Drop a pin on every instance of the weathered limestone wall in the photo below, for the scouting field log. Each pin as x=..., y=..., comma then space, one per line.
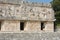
x=33, y=26
x=29, y=26
x=10, y=26
x=14, y=26
x=49, y=26
x=32, y=13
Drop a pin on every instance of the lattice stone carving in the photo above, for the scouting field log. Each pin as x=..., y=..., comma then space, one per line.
x=2, y=11
x=10, y=11
x=26, y=12
x=26, y=9
x=17, y=11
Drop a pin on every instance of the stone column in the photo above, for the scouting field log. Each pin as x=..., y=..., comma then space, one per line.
x=49, y=27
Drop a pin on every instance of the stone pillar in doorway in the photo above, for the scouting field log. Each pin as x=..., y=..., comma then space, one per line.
x=49, y=27
x=33, y=26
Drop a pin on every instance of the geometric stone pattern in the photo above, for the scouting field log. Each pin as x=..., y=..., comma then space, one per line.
x=25, y=11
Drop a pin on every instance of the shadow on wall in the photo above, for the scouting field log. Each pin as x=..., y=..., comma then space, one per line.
x=55, y=26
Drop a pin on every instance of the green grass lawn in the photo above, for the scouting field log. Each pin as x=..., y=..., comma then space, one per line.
x=58, y=25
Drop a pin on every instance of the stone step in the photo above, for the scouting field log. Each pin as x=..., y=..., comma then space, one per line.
x=30, y=36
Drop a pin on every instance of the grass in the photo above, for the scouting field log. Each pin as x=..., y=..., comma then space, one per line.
x=58, y=25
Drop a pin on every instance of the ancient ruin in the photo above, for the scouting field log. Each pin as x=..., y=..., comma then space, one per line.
x=18, y=16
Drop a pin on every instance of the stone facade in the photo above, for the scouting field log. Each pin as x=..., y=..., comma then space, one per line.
x=27, y=17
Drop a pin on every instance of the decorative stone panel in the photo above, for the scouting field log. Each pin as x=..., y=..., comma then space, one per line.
x=23, y=12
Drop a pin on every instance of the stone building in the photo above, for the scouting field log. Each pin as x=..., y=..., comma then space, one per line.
x=18, y=16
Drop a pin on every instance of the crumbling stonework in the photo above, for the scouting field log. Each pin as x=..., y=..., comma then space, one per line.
x=14, y=15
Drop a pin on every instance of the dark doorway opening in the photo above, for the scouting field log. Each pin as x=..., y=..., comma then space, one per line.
x=42, y=25
x=0, y=25
x=55, y=26
x=21, y=25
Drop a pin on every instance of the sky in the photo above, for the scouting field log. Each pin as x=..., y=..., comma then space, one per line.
x=41, y=1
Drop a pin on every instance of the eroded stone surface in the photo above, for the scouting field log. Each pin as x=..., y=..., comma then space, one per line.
x=26, y=12
x=12, y=13
x=29, y=36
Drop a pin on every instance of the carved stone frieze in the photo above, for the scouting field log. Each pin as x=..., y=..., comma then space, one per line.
x=25, y=12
